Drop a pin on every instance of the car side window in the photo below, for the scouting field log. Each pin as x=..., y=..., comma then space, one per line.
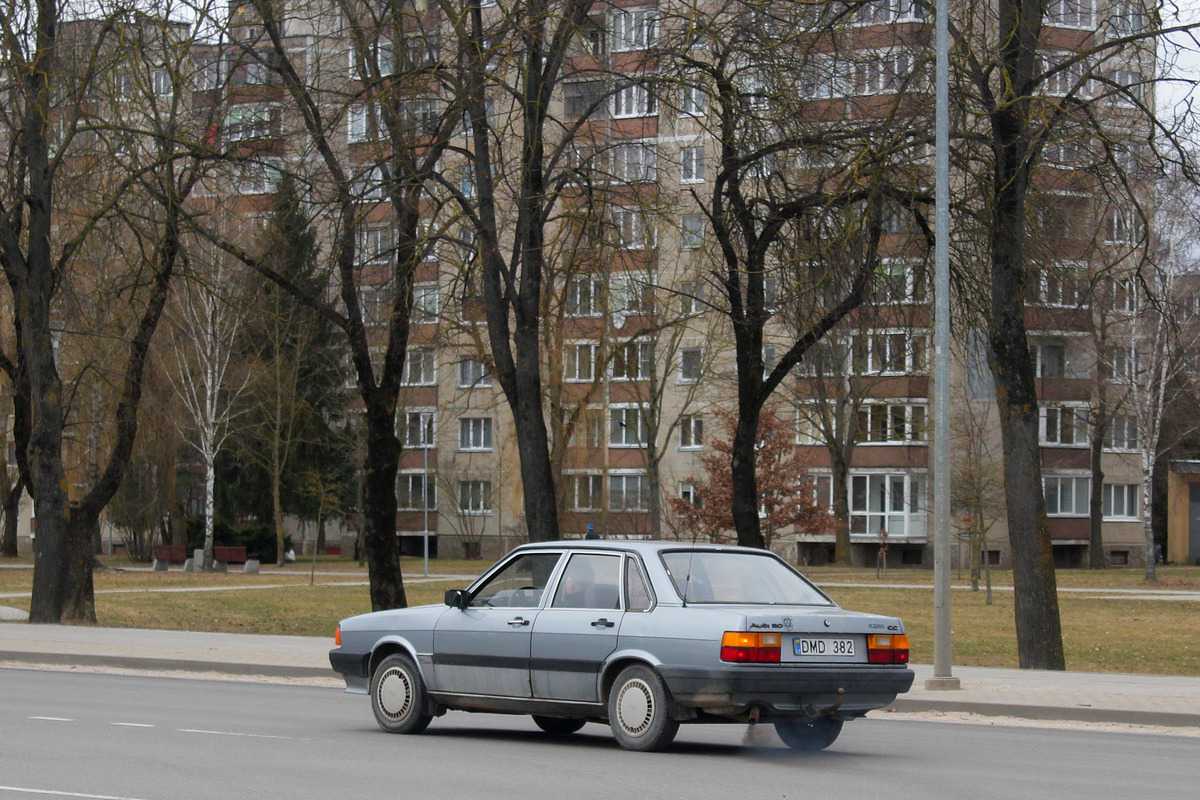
x=637, y=592
x=590, y=581
x=519, y=583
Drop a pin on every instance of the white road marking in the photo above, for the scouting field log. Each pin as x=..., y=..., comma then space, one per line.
x=133, y=725
x=27, y=790
x=234, y=733
x=53, y=719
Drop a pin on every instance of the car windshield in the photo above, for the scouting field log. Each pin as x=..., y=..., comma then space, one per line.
x=722, y=577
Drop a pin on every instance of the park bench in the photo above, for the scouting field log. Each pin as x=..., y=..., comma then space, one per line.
x=169, y=554
x=223, y=555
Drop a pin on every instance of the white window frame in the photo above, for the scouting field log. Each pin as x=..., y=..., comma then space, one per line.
x=619, y=498
x=900, y=510
x=632, y=29
x=632, y=361
x=632, y=227
x=1067, y=495
x=473, y=373
x=587, y=491
x=419, y=428
x=1062, y=285
x=580, y=360
x=635, y=161
x=1077, y=14
x=872, y=351
x=691, y=364
x=691, y=164
x=1121, y=502
x=426, y=490
x=584, y=296
x=634, y=100
x=691, y=432
x=1064, y=425
x=421, y=370
x=627, y=426
x=896, y=423
x=474, y=498
x=1121, y=434
x=691, y=234
x=247, y=121
x=630, y=292
x=475, y=434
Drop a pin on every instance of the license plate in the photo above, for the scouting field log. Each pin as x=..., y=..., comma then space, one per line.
x=815, y=647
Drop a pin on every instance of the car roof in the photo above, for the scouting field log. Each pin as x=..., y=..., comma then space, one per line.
x=642, y=546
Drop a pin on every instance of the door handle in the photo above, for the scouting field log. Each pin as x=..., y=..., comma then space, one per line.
x=603, y=623
x=518, y=622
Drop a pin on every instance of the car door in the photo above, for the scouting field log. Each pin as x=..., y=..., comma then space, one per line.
x=577, y=631
x=484, y=649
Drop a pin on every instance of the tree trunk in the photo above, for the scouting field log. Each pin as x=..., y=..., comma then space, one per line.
x=80, y=605
x=380, y=543
x=12, y=517
x=744, y=501
x=843, y=552
x=1096, y=558
x=210, y=502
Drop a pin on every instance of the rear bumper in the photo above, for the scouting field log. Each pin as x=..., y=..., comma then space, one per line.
x=787, y=689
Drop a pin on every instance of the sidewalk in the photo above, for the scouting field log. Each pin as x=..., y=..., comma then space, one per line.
x=1078, y=696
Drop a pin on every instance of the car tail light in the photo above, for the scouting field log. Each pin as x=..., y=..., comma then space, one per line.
x=337, y=636
x=887, y=648
x=757, y=648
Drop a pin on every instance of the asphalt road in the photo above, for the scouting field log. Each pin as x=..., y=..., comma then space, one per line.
x=122, y=737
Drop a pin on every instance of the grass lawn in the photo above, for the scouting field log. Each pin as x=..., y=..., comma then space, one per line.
x=1102, y=633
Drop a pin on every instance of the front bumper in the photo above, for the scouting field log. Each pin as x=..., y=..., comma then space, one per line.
x=787, y=689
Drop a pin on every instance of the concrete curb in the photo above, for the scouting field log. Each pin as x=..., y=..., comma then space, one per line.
x=166, y=665
x=1122, y=716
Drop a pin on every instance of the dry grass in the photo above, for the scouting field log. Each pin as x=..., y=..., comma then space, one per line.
x=1101, y=633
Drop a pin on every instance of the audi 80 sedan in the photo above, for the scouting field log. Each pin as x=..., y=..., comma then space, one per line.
x=641, y=635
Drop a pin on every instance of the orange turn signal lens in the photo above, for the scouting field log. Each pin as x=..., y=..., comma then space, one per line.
x=337, y=636
x=743, y=647
x=887, y=648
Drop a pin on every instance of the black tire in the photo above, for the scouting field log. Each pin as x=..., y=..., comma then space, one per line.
x=557, y=726
x=639, y=710
x=398, y=696
x=808, y=735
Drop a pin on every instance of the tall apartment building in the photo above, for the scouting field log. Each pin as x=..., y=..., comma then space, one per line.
x=638, y=363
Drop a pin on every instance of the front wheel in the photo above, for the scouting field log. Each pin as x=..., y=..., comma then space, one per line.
x=808, y=735
x=398, y=696
x=557, y=726
x=638, y=710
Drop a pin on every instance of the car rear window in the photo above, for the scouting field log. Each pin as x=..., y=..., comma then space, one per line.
x=746, y=578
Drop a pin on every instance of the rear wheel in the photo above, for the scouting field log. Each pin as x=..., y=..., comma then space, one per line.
x=808, y=735
x=557, y=726
x=398, y=696
x=639, y=712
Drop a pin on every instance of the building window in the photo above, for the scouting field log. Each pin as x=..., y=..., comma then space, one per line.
x=635, y=100
x=1065, y=78
x=892, y=502
x=688, y=492
x=416, y=492
x=587, y=492
x=627, y=426
x=632, y=361
x=367, y=185
x=472, y=373
x=635, y=162
x=1120, y=364
x=376, y=303
x=887, y=12
x=880, y=423
x=380, y=61
x=579, y=361
x=246, y=122
x=475, y=498
x=690, y=361
x=630, y=293
x=691, y=432
x=1071, y=14
x=475, y=433
x=375, y=244
x=692, y=101
x=161, y=84
x=425, y=302
x=1121, y=433
x=1067, y=496
x=1064, y=426
x=1128, y=18
x=1062, y=284
x=884, y=353
x=691, y=164
x=628, y=493
x=419, y=429
x=420, y=367
x=630, y=224
x=358, y=123
x=1049, y=360
x=883, y=72
x=584, y=293
x=633, y=29
x=584, y=98
x=691, y=232
x=256, y=177
x=1121, y=501
x=898, y=281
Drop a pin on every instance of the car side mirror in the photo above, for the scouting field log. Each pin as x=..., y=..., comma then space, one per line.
x=456, y=598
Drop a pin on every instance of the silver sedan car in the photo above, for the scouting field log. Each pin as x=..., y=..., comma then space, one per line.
x=641, y=635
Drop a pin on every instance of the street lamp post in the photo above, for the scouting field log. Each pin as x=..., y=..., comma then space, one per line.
x=942, y=678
